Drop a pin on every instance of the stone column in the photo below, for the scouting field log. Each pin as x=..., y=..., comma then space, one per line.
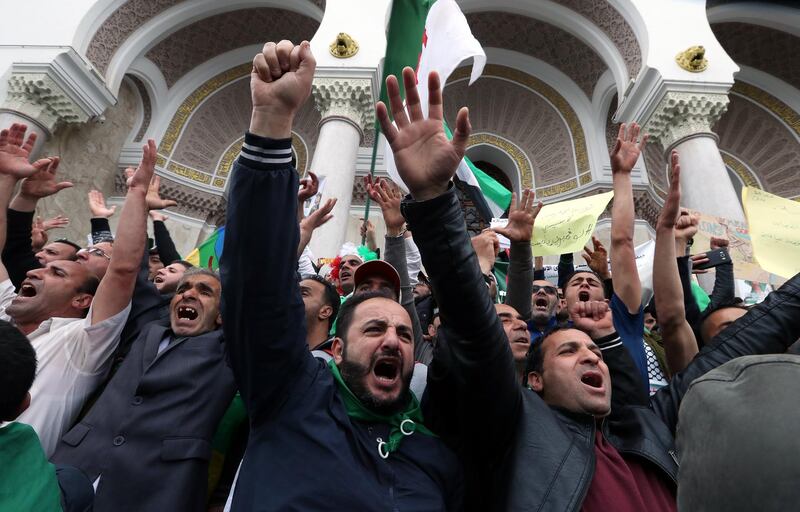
x=683, y=121
x=347, y=108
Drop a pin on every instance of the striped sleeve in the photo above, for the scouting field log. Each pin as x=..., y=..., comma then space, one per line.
x=265, y=154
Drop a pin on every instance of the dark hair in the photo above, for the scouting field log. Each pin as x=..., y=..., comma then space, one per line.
x=345, y=317
x=17, y=369
x=198, y=271
x=89, y=286
x=581, y=271
x=330, y=296
x=71, y=244
x=534, y=362
x=735, y=303
x=185, y=264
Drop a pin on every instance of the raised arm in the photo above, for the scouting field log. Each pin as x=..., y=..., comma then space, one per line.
x=623, y=258
x=680, y=344
x=768, y=328
x=395, y=250
x=116, y=287
x=15, y=151
x=164, y=244
x=263, y=313
x=520, y=269
x=473, y=367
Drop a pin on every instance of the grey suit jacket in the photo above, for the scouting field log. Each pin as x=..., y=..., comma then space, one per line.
x=149, y=435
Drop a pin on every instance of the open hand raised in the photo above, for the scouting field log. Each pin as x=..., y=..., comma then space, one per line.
x=425, y=159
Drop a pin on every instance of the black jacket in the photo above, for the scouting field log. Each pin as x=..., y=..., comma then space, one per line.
x=518, y=452
x=304, y=451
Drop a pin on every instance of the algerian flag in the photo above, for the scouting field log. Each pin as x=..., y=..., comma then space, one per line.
x=446, y=42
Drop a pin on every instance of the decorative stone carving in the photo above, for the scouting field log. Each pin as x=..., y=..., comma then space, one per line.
x=147, y=108
x=610, y=21
x=763, y=48
x=681, y=114
x=37, y=96
x=344, y=46
x=547, y=130
x=195, y=44
x=693, y=59
x=762, y=133
x=541, y=40
x=345, y=98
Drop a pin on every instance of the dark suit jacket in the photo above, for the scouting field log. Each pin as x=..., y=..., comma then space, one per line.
x=149, y=435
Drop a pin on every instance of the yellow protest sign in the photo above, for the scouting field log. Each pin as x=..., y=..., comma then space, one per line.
x=567, y=226
x=774, y=231
x=739, y=246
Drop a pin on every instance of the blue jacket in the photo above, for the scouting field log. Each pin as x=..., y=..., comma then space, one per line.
x=304, y=451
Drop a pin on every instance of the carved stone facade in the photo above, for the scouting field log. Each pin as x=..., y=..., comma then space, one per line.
x=190, y=46
x=204, y=136
x=542, y=41
x=681, y=114
x=124, y=21
x=147, y=108
x=547, y=130
x=614, y=25
x=39, y=97
x=763, y=48
x=89, y=154
x=345, y=98
x=761, y=133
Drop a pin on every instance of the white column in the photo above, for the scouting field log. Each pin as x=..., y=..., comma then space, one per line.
x=683, y=121
x=346, y=107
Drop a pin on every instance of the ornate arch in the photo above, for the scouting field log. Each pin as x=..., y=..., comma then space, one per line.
x=204, y=135
x=559, y=159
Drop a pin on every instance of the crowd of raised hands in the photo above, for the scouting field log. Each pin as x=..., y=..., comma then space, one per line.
x=447, y=374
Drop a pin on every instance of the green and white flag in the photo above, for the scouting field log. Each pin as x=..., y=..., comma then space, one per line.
x=441, y=38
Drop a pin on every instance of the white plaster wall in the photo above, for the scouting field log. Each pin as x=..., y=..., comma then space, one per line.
x=41, y=23
x=673, y=27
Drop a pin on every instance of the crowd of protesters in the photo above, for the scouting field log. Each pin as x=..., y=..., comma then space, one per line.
x=132, y=380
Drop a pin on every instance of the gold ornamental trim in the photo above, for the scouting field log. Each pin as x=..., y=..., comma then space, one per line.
x=693, y=59
x=344, y=46
x=515, y=152
x=560, y=104
x=783, y=111
x=740, y=169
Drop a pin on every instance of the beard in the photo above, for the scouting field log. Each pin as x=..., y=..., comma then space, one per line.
x=355, y=375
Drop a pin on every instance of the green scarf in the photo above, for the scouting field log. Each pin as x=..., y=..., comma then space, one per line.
x=403, y=423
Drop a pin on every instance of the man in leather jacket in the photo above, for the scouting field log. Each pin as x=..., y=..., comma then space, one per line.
x=537, y=449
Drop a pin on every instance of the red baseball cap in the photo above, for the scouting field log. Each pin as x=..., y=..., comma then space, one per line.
x=378, y=268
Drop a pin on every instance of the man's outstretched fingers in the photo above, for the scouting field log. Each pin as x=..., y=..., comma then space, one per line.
x=463, y=129
x=435, y=108
x=388, y=129
x=396, y=102
x=412, y=95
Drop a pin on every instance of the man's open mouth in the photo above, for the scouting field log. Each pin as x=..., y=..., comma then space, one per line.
x=387, y=370
x=584, y=296
x=27, y=290
x=158, y=280
x=187, y=313
x=593, y=379
x=541, y=302
x=344, y=275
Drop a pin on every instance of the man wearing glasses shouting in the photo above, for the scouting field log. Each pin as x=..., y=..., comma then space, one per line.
x=72, y=316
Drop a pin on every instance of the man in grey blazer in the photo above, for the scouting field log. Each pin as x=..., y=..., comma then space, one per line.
x=146, y=443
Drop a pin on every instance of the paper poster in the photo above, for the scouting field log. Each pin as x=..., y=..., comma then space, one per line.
x=774, y=224
x=567, y=226
x=740, y=247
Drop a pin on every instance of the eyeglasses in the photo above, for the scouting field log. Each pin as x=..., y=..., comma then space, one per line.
x=549, y=290
x=95, y=251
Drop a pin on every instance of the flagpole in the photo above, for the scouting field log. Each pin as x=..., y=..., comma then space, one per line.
x=377, y=131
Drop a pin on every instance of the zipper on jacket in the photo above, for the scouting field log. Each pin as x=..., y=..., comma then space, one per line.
x=674, y=455
x=646, y=456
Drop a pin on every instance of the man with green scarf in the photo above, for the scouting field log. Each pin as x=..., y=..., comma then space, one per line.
x=348, y=435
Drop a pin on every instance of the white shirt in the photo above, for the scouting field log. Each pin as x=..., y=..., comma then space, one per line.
x=73, y=357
